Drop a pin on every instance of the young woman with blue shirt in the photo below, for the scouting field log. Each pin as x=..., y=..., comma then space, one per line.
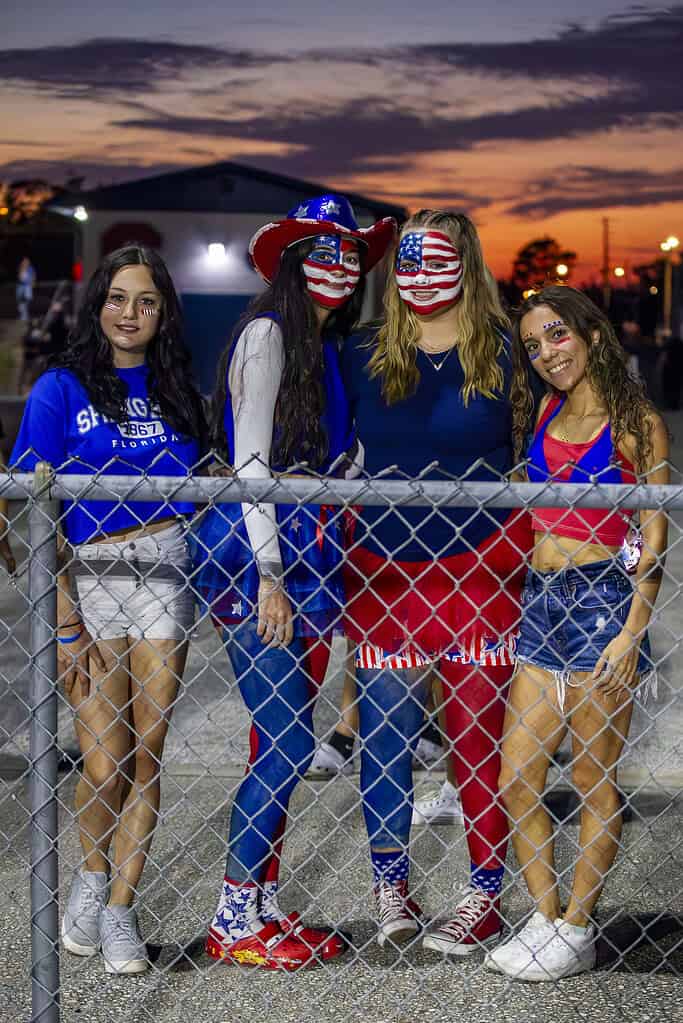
x=120, y=400
x=432, y=590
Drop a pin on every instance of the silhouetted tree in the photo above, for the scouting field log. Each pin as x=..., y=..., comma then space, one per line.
x=536, y=264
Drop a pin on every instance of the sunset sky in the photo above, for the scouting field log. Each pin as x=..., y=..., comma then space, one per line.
x=532, y=117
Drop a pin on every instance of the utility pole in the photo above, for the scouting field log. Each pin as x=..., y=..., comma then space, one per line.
x=606, y=291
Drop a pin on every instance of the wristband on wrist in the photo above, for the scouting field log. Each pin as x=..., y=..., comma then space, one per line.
x=71, y=639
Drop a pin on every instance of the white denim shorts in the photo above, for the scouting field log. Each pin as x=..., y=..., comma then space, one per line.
x=137, y=587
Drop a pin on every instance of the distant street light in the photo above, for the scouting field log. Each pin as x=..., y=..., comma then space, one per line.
x=667, y=248
x=80, y=213
x=654, y=290
x=561, y=269
x=619, y=271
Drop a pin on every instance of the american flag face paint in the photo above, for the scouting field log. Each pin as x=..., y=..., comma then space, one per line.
x=144, y=305
x=332, y=270
x=428, y=271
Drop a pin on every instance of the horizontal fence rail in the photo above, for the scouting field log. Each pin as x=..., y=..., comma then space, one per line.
x=373, y=492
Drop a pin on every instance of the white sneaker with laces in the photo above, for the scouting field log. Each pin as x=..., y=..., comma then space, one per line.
x=123, y=949
x=519, y=950
x=564, y=955
x=327, y=762
x=81, y=920
x=441, y=807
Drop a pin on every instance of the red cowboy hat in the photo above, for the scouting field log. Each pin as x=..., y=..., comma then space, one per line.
x=329, y=214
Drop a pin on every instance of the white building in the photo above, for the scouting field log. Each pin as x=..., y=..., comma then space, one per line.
x=201, y=221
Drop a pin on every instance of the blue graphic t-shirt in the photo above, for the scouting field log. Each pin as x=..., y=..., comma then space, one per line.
x=60, y=423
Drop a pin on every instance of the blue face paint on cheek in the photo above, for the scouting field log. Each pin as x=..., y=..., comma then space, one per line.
x=533, y=356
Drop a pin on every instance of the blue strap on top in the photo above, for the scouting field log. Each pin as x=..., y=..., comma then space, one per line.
x=597, y=462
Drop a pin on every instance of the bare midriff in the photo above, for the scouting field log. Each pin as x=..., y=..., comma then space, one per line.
x=554, y=553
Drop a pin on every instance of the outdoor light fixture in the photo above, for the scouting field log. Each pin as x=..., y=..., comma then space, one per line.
x=216, y=253
x=80, y=213
x=619, y=271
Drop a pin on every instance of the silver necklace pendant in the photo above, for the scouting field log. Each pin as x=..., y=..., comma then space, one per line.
x=437, y=365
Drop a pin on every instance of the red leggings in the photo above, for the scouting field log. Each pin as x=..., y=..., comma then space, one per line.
x=474, y=712
x=316, y=659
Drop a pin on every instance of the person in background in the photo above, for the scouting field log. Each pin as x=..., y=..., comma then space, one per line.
x=270, y=575
x=26, y=279
x=583, y=649
x=120, y=399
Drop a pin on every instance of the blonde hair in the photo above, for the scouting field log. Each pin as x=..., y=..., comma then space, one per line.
x=479, y=311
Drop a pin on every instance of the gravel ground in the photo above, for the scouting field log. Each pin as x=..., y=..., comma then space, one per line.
x=640, y=955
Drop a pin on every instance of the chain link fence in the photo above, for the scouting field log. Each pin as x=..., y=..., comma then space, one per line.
x=191, y=736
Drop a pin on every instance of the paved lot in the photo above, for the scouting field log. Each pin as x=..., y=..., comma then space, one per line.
x=641, y=955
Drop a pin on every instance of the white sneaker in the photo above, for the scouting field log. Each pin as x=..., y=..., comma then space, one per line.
x=563, y=954
x=441, y=807
x=123, y=949
x=519, y=950
x=428, y=753
x=327, y=762
x=81, y=920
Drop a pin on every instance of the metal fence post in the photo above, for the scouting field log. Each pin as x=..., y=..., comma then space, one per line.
x=43, y=751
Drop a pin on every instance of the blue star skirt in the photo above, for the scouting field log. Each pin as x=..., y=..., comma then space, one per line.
x=311, y=538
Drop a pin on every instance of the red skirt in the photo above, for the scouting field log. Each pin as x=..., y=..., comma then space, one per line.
x=455, y=603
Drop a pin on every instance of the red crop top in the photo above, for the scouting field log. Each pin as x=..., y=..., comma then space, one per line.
x=550, y=458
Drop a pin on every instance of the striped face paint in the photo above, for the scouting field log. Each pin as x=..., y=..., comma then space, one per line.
x=428, y=271
x=144, y=305
x=332, y=270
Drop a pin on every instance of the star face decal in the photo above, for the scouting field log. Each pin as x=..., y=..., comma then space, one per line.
x=302, y=211
x=329, y=206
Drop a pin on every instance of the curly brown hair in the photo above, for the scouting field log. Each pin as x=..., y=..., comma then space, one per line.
x=630, y=410
x=480, y=312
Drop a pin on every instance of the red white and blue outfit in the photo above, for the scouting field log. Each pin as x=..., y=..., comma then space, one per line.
x=300, y=545
x=569, y=617
x=434, y=586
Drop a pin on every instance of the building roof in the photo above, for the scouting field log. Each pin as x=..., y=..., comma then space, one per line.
x=224, y=187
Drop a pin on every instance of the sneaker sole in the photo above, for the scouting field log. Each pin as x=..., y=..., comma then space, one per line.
x=328, y=772
x=133, y=966
x=452, y=948
x=443, y=818
x=87, y=951
x=398, y=936
x=545, y=976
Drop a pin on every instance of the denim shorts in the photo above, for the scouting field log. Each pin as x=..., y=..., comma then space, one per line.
x=569, y=617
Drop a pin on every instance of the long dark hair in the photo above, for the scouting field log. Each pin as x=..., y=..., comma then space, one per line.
x=299, y=434
x=89, y=356
x=628, y=406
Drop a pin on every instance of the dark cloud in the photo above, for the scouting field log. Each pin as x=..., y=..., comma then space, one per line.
x=631, y=59
x=100, y=68
x=634, y=46
x=95, y=173
x=589, y=188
